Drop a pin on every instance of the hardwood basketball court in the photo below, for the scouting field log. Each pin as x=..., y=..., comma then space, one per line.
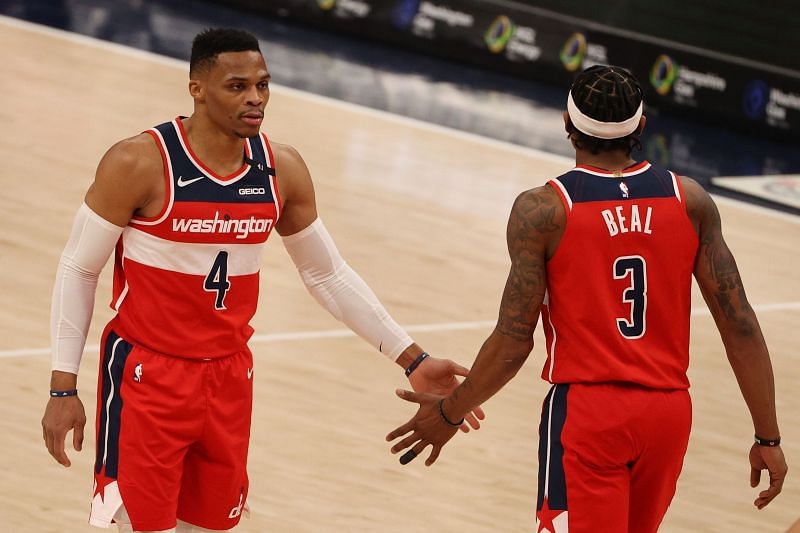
x=419, y=211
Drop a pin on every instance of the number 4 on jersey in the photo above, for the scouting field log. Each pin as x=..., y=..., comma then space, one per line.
x=635, y=295
x=217, y=279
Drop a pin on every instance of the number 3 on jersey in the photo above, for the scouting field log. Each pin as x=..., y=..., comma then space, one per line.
x=635, y=295
x=217, y=280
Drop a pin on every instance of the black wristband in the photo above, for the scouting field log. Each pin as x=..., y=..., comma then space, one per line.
x=413, y=366
x=63, y=393
x=444, y=416
x=768, y=442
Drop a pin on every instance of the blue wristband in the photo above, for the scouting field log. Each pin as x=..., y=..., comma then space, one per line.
x=63, y=393
x=413, y=366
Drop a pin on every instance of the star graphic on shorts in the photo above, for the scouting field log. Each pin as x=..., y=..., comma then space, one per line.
x=546, y=516
x=101, y=481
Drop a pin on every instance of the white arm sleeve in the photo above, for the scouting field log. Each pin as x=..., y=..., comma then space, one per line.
x=342, y=292
x=90, y=244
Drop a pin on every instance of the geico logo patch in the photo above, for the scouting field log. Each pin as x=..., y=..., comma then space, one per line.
x=252, y=190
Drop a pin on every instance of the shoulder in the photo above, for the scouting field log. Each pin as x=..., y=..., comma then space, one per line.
x=134, y=156
x=699, y=205
x=287, y=158
x=539, y=208
x=537, y=219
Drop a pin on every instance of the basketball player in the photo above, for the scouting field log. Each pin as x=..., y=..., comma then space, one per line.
x=606, y=253
x=188, y=206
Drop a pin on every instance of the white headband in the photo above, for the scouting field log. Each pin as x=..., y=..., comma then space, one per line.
x=599, y=129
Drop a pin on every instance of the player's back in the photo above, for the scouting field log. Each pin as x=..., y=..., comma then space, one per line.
x=618, y=297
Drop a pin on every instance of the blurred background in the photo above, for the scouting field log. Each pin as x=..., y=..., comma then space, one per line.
x=721, y=78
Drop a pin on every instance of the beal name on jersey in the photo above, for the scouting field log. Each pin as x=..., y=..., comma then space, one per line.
x=618, y=223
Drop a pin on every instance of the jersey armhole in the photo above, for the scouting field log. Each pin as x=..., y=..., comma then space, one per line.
x=678, y=186
x=165, y=206
x=273, y=179
x=562, y=193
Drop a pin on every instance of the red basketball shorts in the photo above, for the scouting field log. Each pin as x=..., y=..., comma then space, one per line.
x=172, y=437
x=609, y=457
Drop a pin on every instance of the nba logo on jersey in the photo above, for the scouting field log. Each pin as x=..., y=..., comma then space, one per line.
x=137, y=373
x=624, y=189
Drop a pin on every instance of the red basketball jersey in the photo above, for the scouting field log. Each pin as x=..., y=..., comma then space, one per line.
x=618, y=299
x=186, y=281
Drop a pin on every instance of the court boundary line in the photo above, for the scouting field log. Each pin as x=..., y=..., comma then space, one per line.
x=386, y=115
x=291, y=336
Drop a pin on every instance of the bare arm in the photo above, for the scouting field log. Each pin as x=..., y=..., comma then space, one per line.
x=535, y=223
x=719, y=280
x=340, y=290
x=534, y=227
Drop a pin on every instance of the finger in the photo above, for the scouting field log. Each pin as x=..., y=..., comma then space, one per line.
x=408, y=457
x=479, y=414
x=459, y=370
x=401, y=430
x=409, y=396
x=765, y=498
x=472, y=420
x=433, y=456
x=755, y=476
x=77, y=437
x=406, y=442
x=413, y=452
x=58, y=448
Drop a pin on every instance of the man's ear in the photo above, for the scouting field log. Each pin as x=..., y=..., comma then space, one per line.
x=197, y=90
x=642, y=122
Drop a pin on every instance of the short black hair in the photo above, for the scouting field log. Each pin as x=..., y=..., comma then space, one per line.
x=608, y=94
x=211, y=42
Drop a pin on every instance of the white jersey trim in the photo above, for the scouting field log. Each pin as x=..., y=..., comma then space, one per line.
x=189, y=258
x=564, y=192
x=611, y=175
x=675, y=186
x=200, y=166
x=170, y=181
x=272, y=180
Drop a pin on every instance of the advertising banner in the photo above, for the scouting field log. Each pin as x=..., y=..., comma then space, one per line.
x=542, y=45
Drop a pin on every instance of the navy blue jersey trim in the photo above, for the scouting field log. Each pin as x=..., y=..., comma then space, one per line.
x=193, y=184
x=554, y=421
x=655, y=182
x=114, y=357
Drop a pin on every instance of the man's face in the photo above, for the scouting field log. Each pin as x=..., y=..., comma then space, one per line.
x=234, y=91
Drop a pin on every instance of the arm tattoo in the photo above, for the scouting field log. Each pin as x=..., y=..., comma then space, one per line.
x=720, y=263
x=532, y=221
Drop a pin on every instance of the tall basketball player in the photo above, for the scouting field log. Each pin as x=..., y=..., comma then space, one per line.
x=606, y=254
x=188, y=206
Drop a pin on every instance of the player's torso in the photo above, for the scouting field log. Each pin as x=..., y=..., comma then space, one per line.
x=619, y=285
x=186, y=280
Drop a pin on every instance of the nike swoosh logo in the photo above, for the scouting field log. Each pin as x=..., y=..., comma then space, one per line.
x=249, y=373
x=183, y=183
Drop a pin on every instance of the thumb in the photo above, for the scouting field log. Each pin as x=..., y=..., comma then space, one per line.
x=409, y=396
x=459, y=370
x=77, y=437
x=755, y=476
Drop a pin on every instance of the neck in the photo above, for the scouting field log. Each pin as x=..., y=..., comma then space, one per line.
x=611, y=161
x=221, y=151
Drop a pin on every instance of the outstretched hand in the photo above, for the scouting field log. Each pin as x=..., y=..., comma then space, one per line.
x=438, y=376
x=767, y=458
x=427, y=427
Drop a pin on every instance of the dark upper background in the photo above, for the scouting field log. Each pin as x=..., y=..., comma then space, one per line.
x=467, y=97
